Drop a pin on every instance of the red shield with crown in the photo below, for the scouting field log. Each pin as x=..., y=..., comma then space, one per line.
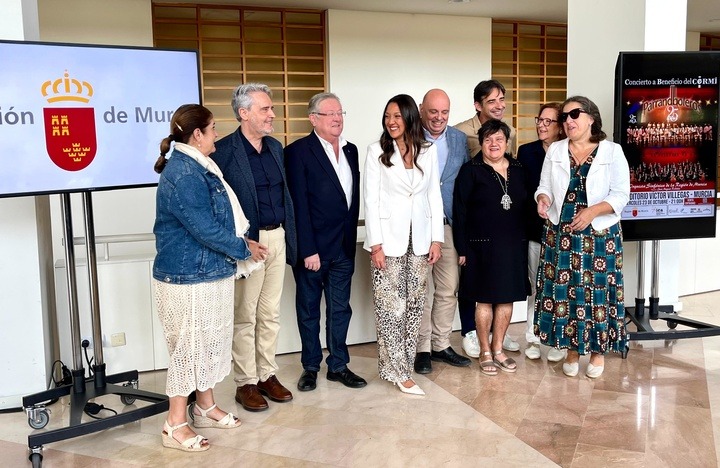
x=70, y=136
x=69, y=131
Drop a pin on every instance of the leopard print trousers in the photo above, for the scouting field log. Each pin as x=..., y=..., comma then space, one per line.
x=399, y=300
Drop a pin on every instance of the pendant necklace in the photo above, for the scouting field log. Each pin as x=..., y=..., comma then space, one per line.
x=505, y=201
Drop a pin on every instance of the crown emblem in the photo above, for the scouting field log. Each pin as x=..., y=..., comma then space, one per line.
x=67, y=89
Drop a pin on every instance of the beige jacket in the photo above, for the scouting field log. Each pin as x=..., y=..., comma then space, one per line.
x=471, y=127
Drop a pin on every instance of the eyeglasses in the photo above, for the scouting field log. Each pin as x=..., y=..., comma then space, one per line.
x=545, y=122
x=331, y=114
x=574, y=114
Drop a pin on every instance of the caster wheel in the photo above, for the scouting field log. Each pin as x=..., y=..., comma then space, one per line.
x=672, y=325
x=41, y=420
x=127, y=400
x=36, y=460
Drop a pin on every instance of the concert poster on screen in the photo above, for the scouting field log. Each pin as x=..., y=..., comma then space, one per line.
x=668, y=129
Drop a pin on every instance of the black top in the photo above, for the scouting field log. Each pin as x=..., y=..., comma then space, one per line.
x=268, y=184
x=532, y=156
x=492, y=239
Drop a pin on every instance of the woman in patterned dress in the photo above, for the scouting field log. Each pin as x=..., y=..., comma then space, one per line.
x=199, y=228
x=584, y=186
x=403, y=232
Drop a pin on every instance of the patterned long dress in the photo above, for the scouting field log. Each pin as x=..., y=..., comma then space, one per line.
x=579, y=303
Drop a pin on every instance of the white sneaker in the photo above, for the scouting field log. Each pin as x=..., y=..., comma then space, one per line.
x=533, y=351
x=556, y=355
x=470, y=344
x=510, y=345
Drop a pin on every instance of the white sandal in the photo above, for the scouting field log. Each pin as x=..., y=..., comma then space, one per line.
x=229, y=421
x=193, y=444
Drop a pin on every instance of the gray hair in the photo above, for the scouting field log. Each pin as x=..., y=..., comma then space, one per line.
x=314, y=104
x=241, y=96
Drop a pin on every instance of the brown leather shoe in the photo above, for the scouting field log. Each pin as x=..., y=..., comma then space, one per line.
x=250, y=399
x=274, y=390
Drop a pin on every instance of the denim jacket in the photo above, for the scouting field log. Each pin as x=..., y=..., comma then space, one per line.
x=194, y=227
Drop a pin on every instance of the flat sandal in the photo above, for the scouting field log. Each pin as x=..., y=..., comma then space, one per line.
x=487, y=364
x=508, y=365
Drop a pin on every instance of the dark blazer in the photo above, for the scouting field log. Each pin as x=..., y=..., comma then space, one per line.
x=232, y=159
x=531, y=156
x=326, y=224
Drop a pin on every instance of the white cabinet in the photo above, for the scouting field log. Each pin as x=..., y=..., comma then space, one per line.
x=126, y=307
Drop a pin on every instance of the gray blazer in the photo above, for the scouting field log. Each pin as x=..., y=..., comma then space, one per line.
x=232, y=160
x=457, y=156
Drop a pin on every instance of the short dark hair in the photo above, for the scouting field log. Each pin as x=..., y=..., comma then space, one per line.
x=596, y=132
x=485, y=87
x=491, y=127
x=557, y=107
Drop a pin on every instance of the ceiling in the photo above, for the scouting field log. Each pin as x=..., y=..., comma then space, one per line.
x=703, y=15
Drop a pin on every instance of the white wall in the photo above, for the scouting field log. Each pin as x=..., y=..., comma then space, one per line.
x=374, y=56
x=126, y=22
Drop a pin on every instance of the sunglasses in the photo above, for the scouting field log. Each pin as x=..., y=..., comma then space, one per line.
x=574, y=114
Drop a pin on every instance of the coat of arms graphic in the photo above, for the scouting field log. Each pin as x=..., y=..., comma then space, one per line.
x=69, y=131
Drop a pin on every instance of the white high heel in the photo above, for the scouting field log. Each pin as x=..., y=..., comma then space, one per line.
x=414, y=390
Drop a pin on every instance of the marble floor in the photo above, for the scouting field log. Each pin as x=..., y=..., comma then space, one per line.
x=659, y=407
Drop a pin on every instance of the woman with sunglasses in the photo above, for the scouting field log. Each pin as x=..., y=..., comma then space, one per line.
x=531, y=156
x=584, y=186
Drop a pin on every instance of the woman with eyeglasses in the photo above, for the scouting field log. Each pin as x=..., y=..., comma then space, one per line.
x=531, y=156
x=404, y=233
x=489, y=218
x=584, y=186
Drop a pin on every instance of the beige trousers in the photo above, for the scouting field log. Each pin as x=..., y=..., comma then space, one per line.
x=440, y=305
x=257, y=314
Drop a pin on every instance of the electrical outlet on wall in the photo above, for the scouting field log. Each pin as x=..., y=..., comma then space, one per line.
x=117, y=339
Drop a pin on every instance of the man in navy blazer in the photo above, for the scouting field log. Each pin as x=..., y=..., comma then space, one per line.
x=439, y=312
x=324, y=181
x=251, y=162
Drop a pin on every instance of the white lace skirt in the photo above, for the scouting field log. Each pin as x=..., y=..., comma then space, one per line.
x=198, y=324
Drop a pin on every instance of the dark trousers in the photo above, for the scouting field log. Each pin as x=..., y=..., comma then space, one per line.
x=466, y=309
x=333, y=278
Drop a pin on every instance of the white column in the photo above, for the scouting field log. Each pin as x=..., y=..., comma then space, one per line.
x=597, y=31
x=26, y=268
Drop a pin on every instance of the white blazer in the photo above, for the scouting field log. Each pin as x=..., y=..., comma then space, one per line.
x=393, y=203
x=608, y=180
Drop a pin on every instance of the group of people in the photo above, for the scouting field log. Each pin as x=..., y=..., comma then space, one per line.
x=671, y=134
x=442, y=204
x=685, y=171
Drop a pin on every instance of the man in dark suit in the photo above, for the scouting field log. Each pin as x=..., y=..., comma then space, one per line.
x=440, y=306
x=324, y=181
x=251, y=162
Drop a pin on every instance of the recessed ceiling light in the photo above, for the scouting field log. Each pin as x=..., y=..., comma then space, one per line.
x=459, y=1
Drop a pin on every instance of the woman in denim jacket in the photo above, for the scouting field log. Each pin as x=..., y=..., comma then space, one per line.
x=199, y=234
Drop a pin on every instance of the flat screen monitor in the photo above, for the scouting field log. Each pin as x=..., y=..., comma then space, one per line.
x=78, y=117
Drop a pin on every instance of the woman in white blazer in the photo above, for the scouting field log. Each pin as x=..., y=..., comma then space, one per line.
x=404, y=233
x=584, y=186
